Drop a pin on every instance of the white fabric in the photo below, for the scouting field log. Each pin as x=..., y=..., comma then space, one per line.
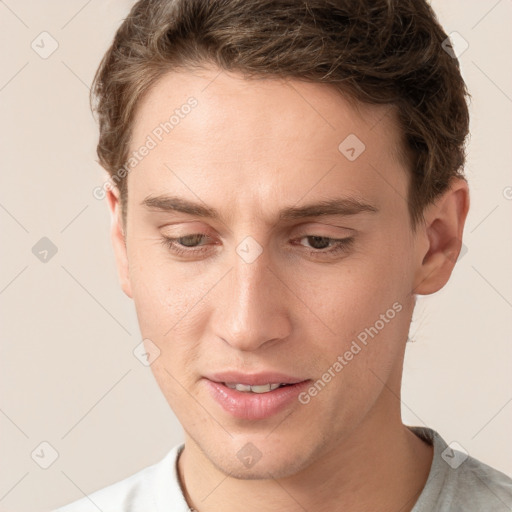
x=153, y=489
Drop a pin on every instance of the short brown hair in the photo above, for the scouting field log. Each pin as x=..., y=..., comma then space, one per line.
x=375, y=51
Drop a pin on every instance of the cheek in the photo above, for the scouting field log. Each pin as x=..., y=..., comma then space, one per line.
x=171, y=301
x=354, y=294
x=162, y=289
x=164, y=301
x=365, y=306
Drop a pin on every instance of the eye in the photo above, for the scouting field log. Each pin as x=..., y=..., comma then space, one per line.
x=184, y=245
x=320, y=243
x=189, y=245
x=190, y=240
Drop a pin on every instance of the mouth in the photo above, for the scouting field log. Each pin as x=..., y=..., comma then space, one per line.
x=262, y=388
x=256, y=396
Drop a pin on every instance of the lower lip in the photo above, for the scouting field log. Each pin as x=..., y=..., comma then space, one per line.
x=255, y=406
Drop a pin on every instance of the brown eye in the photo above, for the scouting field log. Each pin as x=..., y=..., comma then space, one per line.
x=317, y=245
x=186, y=245
x=190, y=240
x=319, y=242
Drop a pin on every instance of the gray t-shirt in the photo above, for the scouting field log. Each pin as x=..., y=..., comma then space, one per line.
x=456, y=482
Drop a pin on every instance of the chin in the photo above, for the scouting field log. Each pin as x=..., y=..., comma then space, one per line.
x=260, y=458
x=263, y=470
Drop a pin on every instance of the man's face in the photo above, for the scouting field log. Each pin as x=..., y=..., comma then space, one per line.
x=255, y=298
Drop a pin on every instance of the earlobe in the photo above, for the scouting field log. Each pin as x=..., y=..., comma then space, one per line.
x=442, y=233
x=118, y=239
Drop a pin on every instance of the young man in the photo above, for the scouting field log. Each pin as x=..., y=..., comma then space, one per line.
x=285, y=178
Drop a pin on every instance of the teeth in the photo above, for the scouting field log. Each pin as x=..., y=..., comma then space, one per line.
x=245, y=388
x=265, y=388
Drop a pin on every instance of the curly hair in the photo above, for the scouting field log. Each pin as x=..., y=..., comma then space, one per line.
x=372, y=51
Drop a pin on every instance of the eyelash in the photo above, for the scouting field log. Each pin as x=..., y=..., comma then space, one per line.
x=342, y=245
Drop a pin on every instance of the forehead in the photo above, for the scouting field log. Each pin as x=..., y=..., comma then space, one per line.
x=224, y=96
x=261, y=137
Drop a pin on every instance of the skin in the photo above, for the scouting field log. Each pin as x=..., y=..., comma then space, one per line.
x=249, y=149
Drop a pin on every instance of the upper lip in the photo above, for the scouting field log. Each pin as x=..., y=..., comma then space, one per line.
x=254, y=379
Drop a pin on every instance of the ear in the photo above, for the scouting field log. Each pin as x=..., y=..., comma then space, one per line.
x=118, y=238
x=440, y=238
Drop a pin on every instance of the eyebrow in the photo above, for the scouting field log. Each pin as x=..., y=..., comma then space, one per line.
x=343, y=206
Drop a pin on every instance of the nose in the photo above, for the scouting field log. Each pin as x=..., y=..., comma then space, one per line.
x=252, y=309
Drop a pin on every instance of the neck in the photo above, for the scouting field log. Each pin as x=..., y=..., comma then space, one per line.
x=380, y=465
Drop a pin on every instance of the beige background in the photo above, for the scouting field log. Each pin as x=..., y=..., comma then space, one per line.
x=68, y=374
